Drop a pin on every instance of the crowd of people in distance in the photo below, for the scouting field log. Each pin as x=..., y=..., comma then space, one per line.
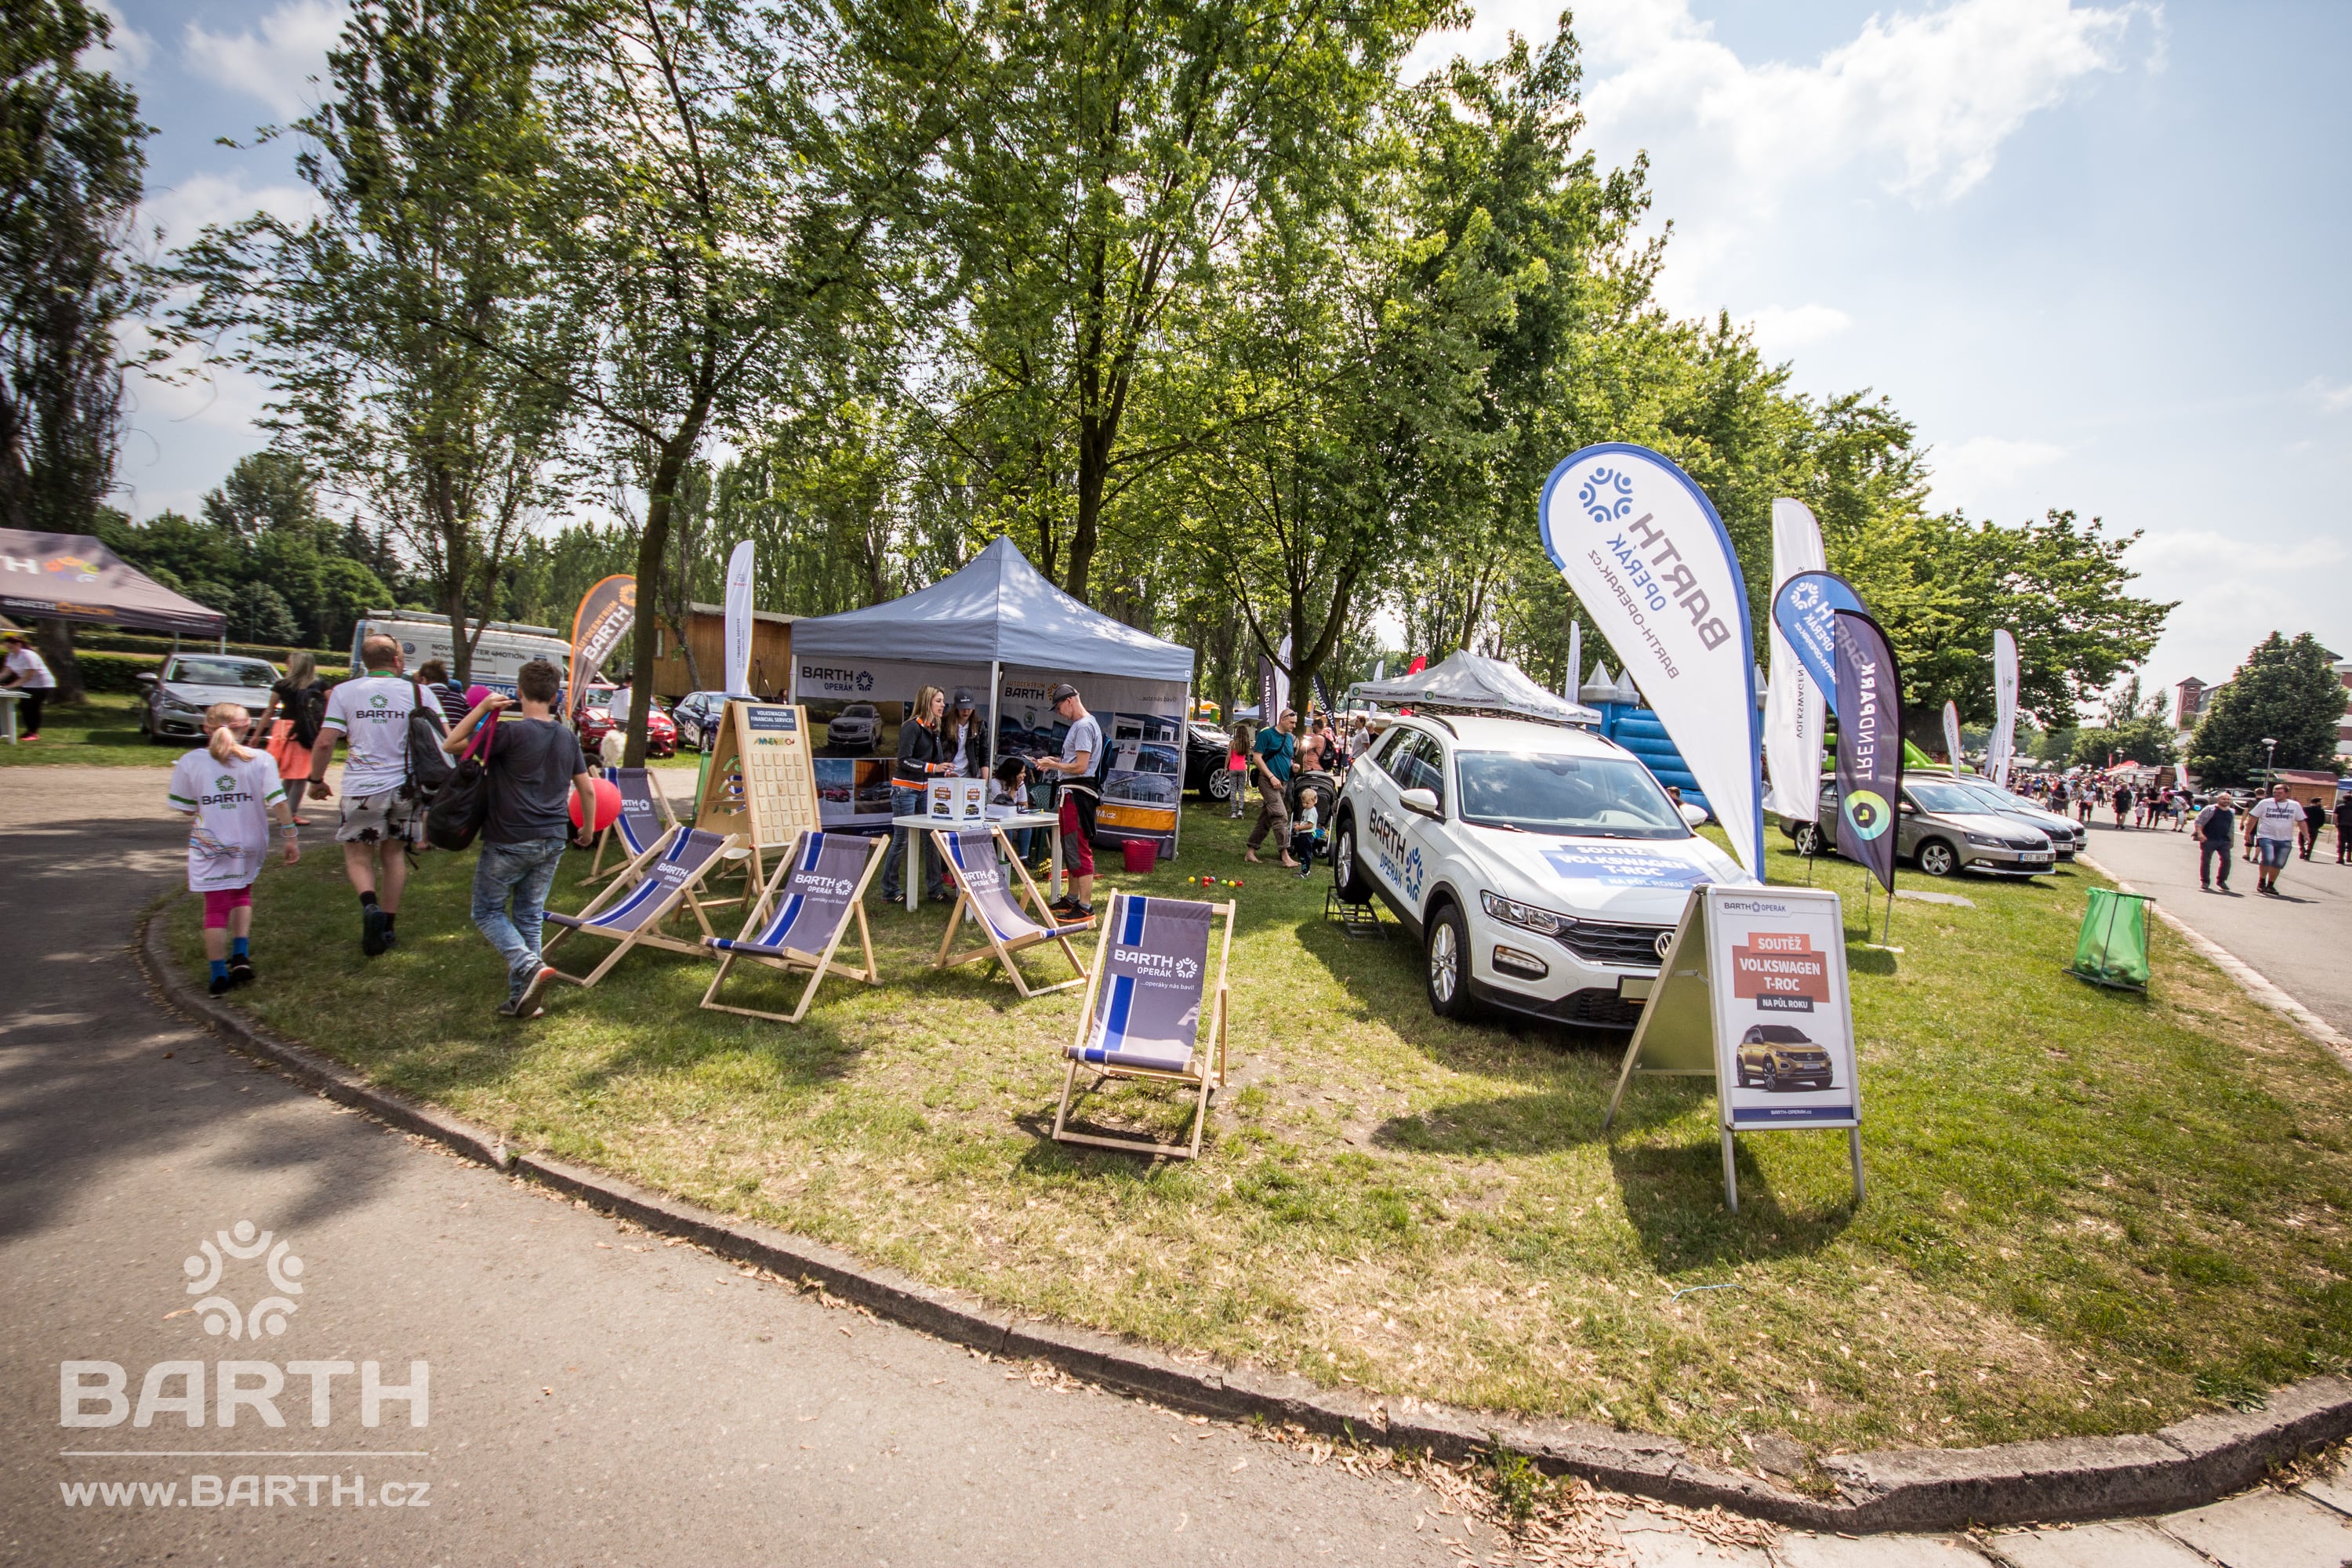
x=1297, y=778
x=2270, y=827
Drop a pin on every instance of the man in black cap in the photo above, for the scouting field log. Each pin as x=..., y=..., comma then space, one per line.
x=961, y=736
x=1082, y=748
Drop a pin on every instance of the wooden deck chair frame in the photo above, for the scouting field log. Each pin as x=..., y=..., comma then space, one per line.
x=819, y=964
x=634, y=872
x=996, y=947
x=612, y=835
x=1208, y=1071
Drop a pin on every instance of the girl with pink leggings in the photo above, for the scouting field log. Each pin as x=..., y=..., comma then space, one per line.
x=232, y=792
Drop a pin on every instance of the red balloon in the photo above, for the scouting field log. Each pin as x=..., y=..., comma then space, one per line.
x=608, y=804
x=474, y=695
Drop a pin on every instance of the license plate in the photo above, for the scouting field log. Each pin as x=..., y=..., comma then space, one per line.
x=1635, y=987
x=2033, y=859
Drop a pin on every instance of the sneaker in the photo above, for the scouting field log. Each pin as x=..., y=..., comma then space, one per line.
x=537, y=988
x=373, y=938
x=219, y=986
x=1075, y=914
x=240, y=972
x=521, y=1012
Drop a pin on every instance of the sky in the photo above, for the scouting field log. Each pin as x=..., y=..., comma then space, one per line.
x=2095, y=253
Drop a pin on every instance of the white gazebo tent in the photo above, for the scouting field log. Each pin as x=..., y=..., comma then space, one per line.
x=1469, y=682
x=999, y=626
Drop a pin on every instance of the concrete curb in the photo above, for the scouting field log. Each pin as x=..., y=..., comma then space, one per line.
x=2310, y=1024
x=2184, y=1466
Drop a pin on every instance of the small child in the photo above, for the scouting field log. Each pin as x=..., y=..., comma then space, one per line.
x=233, y=791
x=1306, y=831
x=1011, y=778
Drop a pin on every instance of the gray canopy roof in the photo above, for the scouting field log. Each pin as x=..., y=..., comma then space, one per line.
x=1472, y=680
x=998, y=608
x=73, y=577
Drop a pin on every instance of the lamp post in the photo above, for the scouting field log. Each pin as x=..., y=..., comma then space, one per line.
x=2269, y=753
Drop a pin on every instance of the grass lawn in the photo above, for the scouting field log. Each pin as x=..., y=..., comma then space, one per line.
x=2088, y=1212
x=102, y=732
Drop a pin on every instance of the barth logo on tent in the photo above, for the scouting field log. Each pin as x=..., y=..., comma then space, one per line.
x=1606, y=495
x=242, y=1243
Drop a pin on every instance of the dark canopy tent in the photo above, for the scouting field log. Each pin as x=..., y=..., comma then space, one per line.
x=73, y=577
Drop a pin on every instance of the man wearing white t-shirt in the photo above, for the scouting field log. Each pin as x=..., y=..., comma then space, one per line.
x=2270, y=827
x=27, y=673
x=380, y=813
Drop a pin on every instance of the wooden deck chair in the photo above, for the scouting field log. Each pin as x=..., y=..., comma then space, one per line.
x=1142, y=1016
x=630, y=911
x=981, y=890
x=817, y=892
x=646, y=816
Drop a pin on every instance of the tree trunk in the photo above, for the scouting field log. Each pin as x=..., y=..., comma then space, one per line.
x=55, y=639
x=1097, y=432
x=461, y=647
x=653, y=546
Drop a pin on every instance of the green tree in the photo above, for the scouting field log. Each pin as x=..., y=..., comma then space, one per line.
x=2286, y=692
x=71, y=170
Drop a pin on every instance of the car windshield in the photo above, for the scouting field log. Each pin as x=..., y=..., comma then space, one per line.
x=1584, y=797
x=1998, y=798
x=244, y=672
x=1943, y=796
x=1779, y=1035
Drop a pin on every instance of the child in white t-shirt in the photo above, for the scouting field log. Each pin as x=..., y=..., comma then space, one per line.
x=1307, y=831
x=233, y=793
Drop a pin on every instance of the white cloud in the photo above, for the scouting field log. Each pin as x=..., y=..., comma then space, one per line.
x=2332, y=399
x=276, y=66
x=201, y=199
x=134, y=47
x=1978, y=474
x=1780, y=329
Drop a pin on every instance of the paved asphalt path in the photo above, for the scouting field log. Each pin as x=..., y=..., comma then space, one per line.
x=593, y=1396
x=2296, y=940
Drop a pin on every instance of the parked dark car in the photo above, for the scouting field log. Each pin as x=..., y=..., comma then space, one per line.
x=853, y=732
x=1781, y=1057
x=1206, y=747
x=698, y=716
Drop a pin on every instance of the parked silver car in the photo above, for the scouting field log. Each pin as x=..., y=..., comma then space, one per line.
x=2067, y=835
x=190, y=682
x=1943, y=828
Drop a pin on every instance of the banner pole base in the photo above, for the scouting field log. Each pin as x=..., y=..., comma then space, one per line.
x=1853, y=1147
x=1730, y=1174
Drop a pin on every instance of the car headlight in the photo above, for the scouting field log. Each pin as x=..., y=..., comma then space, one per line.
x=1513, y=912
x=175, y=705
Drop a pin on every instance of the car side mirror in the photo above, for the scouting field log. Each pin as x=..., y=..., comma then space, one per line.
x=1693, y=815
x=1907, y=809
x=146, y=677
x=1422, y=802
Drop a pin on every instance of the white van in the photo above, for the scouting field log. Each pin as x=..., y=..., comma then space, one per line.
x=503, y=649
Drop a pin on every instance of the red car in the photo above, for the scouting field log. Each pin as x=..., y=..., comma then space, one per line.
x=661, y=735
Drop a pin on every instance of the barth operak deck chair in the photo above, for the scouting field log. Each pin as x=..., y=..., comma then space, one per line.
x=631, y=909
x=1143, y=1017
x=983, y=892
x=646, y=816
x=817, y=892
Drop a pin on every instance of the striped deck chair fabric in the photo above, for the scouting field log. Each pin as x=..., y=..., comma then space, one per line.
x=1143, y=1009
x=645, y=817
x=811, y=900
x=983, y=891
x=631, y=911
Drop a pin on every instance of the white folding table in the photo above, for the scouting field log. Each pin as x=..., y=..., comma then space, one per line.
x=1012, y=822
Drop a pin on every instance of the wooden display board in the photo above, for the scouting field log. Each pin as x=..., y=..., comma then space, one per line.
x=1754, y=988
x=759, y=781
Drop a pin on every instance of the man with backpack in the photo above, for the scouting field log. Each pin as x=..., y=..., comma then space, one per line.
x=531, y=767
x=382, y=807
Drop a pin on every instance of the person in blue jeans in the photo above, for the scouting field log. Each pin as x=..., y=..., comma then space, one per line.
x=921, y=758
x=533, y=766
x=2217, y=828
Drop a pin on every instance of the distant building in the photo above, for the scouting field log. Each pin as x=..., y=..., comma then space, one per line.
x=2193, y=700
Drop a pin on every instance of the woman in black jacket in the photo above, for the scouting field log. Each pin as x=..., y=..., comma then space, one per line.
x=919, y=760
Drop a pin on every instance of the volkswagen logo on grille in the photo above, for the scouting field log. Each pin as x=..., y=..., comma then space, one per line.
x=1665, y=940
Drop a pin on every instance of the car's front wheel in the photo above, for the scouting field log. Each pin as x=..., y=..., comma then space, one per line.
x=1347, y=871
x=1448, y=955
x=1220, y=784
x=1809, y=839
x=1936, y=859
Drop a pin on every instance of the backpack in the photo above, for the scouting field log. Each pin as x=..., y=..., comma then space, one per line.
x=428, y=764
x=461, y=804
x=308, y=711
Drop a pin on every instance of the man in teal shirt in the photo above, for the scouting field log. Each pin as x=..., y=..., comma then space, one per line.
x=1275, y=754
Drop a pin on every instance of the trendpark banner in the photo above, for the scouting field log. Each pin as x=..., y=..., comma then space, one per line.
x=1804, y=611
x=1650, y=561
x=607, y=610
x=2002, y=748
x=1952, y=734
x=1794, y=710
x=1869, y=696
x=739, y=621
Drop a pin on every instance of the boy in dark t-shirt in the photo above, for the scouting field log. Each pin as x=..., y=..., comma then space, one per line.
x=532, y=764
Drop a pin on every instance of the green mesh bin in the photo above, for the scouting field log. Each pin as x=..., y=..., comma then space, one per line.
x=2113, y=947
